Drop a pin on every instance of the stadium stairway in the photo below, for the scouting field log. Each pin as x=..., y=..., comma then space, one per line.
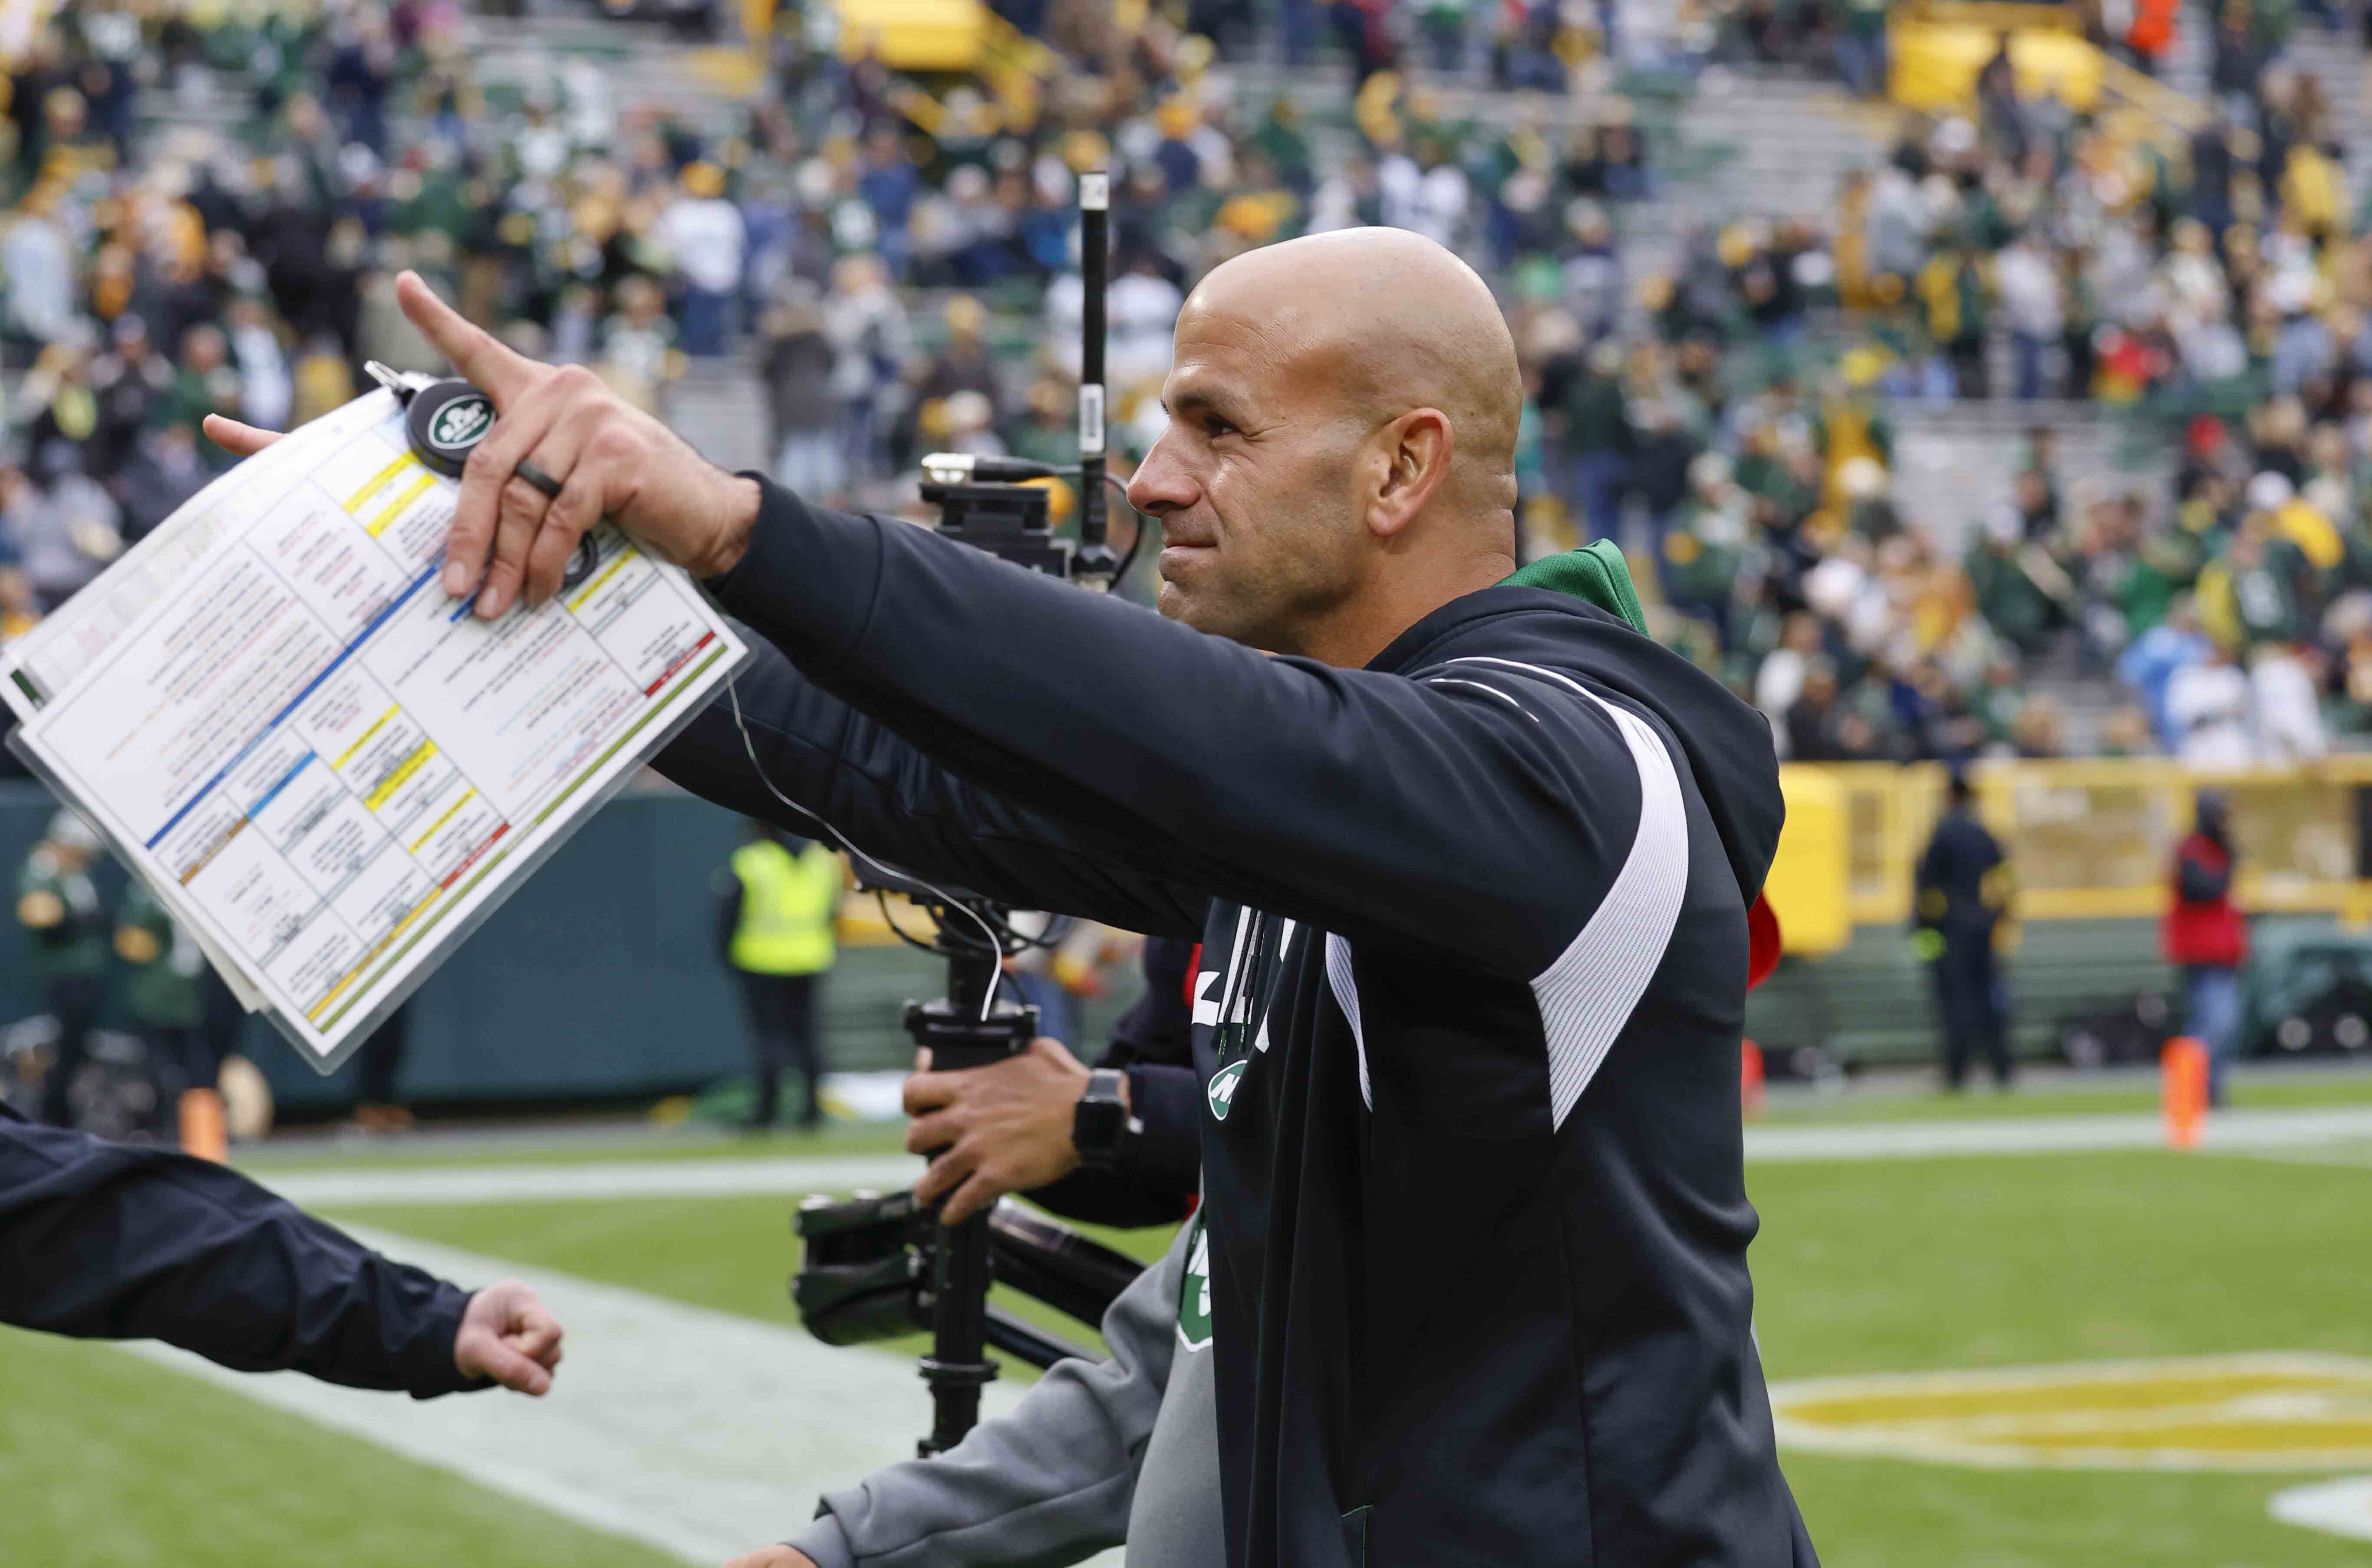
x=1955, y=462
x=2336, y=55
x=720, y=408
x=636, y=64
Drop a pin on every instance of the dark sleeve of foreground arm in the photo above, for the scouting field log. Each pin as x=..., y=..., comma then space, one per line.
x=896, y=803
x=1455, y=812
x=106, y=1241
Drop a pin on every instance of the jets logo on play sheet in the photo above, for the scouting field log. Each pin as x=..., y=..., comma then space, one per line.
x=1194, y=1292
x=1223, y=1089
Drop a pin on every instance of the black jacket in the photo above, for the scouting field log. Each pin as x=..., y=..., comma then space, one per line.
x=1952, y=893
x=1467, y=1012
x=102, y=1240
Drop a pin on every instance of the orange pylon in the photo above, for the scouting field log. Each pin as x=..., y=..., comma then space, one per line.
x=202, y=1130
x=2182, y=1080
x=1749, y=1080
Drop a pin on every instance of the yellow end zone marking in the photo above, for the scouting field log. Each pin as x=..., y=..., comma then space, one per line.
x=395, y=508
x=402, y=774
x=348, y=754
x=379, y=481
x=2255, y=1412
x=603, y=575
x=438, y=825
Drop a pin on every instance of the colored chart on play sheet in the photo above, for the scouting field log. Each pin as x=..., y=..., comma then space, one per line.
x=322, y=763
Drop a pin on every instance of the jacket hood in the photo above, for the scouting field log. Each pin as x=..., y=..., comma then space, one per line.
x=1726, y=743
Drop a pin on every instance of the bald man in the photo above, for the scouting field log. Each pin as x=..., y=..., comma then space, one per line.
x=1469, y=864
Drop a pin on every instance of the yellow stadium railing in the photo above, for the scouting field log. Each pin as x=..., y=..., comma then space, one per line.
x=2095, y=840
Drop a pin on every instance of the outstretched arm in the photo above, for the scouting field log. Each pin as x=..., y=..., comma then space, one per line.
x=107, y=1241
x=1482, y=808
x=900, y=806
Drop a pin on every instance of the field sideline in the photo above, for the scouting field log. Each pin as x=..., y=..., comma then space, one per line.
x=1920, y=1264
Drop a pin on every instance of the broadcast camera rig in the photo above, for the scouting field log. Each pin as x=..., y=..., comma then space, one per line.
x=878, y=1268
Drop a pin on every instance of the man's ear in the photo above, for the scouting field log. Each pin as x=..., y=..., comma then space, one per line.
x=1414, y=452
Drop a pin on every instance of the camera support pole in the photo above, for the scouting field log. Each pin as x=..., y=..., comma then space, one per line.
x=1095, y=250
x=961, y=1033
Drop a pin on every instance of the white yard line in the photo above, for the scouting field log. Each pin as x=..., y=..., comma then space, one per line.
x=2232, y=1131
x=693, y=1178
x=2335, y=1507
x=698, y=1433
x=2299, y=1133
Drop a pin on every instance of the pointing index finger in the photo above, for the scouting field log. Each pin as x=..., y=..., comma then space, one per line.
x=477, y=357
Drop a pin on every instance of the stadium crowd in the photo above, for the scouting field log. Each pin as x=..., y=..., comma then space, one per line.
x=896, y=266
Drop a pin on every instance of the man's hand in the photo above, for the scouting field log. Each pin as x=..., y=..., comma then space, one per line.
x=508, y=538
x=774, y=1557
x=1004, y=1128
x=510, y=1335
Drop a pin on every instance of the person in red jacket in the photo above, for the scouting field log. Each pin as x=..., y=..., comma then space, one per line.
x=2207, y=934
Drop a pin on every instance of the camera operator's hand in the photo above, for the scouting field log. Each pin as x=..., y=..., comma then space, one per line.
x=508, y=538
x=510, y=1335
x=1004, y=1128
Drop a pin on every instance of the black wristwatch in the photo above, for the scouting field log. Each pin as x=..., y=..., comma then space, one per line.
x=1100, y=1124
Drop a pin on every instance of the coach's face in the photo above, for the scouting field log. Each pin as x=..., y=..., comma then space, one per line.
x=1253, y=480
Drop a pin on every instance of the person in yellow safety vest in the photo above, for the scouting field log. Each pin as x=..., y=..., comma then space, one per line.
x=779, y=896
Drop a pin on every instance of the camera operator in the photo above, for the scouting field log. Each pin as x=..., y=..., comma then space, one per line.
x=111, y=1242
x=1114, y=1144
x=1470, y=864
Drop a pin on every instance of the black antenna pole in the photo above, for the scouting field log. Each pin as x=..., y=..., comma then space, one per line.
x=1095, y=251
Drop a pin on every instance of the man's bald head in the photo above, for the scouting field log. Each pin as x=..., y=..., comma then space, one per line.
x=1387, y=321
x=1340, y=452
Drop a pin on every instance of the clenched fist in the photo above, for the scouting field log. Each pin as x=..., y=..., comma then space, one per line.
x=510, y=1335
x=509, y=538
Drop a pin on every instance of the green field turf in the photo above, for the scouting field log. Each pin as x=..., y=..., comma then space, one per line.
x=1893, y=1101
x=107, y=1461
x=1963, y=1262
x=1862, y=1268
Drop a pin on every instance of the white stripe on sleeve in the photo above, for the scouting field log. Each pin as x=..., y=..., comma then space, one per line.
x=1590, y=991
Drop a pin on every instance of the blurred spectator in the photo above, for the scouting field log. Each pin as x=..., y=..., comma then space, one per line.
x=380, y=1106
x=66, y=927
x=63, y=524
x=2207, y=709
x=639, y=343
x=163, y=992
x=809, y=456
x=706, y=235
x=775, y=907
x=2151, y=661
x=2205, y=934
x=164, y=472
x=37, y=260
x=1958, y=897
x=871, y=342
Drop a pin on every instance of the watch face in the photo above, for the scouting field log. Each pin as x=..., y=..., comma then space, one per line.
x=1100, y=1118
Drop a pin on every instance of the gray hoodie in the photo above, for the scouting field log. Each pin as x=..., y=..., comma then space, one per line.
x=1097, y=1453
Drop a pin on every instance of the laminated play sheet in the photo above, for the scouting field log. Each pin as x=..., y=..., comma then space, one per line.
x=328, y=770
